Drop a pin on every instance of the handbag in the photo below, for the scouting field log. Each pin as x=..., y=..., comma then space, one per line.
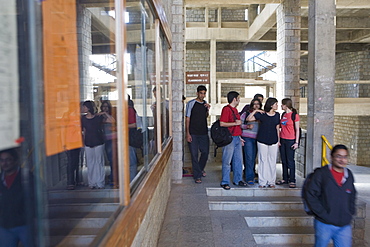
x=135, y=137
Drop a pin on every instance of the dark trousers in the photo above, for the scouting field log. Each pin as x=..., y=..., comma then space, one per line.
x=201, y=143
x=72, y=167
x=287, y=159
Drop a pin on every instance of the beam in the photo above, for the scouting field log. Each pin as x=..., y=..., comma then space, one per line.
x=103, y=23
x=263, y=22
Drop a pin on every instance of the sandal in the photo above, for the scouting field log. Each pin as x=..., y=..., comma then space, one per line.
x=241, y=184
x=225, y=186
x=271, y=186
x=198, y=181
x=292, y=185
x=280, y=182
x=250, y=182
x=261, y=186
x=204, y=173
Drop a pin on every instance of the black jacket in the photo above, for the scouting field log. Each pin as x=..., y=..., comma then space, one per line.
x=12, y=207
x=332, y=204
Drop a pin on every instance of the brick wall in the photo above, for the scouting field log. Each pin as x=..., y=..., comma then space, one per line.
x=352, y=132
x=212, y=14
x=232, y=14
x=195, y=14
x=230, y=61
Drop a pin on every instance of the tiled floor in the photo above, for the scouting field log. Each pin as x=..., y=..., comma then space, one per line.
x=189, y=222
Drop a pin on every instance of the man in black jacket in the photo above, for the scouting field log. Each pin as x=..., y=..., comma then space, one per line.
x=331, y=197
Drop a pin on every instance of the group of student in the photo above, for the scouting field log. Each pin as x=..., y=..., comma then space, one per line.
x=254, y=131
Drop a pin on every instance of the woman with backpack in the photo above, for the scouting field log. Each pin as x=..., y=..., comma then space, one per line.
x=249, y=135
x=267, y=142
x=289, y=142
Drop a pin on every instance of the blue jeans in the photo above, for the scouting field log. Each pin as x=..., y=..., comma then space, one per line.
x=341, y=235
x=201, y=143
x=10, y=237
x=73, y=166
x=109, y=153
x=287, y=159
x=233, y=152
x=133, y=162
x=250, y=152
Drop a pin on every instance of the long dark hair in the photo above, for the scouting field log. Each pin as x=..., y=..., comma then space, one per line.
x=269, y=103
x=289, y=103
x=107, y=102
x=90, y=106
x=251, y=105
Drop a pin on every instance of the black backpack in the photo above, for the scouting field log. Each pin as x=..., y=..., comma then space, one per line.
x=300, y=129
x=221, y=136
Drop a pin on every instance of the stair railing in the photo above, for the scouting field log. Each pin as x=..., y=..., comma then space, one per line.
x=253, y=58
x=325, y=144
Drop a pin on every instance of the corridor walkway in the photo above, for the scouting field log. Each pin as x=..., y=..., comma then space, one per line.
x=190, y=222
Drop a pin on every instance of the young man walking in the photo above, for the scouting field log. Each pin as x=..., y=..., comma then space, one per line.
x=232, y=152
x=331, y=197
x=197, y=132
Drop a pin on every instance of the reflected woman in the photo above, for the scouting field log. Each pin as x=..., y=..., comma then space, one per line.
x=94, y=145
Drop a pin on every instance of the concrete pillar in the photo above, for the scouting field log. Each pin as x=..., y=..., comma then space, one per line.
x=212, y=76
x=252, y=13
x=288, y=50
x=84, y=51
x=178, y=88
x=321, y=78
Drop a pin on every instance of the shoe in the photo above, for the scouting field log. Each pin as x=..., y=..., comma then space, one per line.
x=204, y=173
x=198, y=181
x=70, y=187
x=225, y=186
x=261, y=186
x=271, y=186
x=241, y=184
x=92, y=187
x=100, y=188
x=292, y=185
x=250, y=182
x=281, y=182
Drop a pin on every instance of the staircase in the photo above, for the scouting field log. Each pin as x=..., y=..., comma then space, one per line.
x=276, y=217
x=77, y=217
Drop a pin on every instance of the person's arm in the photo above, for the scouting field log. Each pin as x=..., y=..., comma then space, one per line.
x=187, y=125
x=352, y=204
x=231, y=124
x=296, y=128
x=251, y=116
x=278, y=133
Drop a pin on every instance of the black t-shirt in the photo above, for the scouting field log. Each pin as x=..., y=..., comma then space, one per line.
x=93, y=131
x=267, y=132
x=198, y=119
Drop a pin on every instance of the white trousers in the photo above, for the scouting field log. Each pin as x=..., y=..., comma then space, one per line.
x=95, y=166
x=267, y=163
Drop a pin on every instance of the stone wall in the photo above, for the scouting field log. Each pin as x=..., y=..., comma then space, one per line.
x=230, y=87
x=230, y=61
x=150, y=227
x=232, y=15
x=195, y=14
x=212, y=14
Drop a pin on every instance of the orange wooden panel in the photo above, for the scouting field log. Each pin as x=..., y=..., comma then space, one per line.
x=61, y=76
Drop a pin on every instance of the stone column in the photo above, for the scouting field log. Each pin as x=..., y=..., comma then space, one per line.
x=252, y=13
x=321, y=78
x=178, y=47
x=212, y=75
x=84, y=51
x=288, y=50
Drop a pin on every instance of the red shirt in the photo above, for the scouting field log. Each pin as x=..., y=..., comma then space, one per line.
x=10, y=179
x=227, y=116
x=338, y=176
x=287, y=126
x=131, y=115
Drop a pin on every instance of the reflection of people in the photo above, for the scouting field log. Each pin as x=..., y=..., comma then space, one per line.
x=132, y=150
x=267, y=142
x=110, y=134
x=73, y=136
x=331, y=196
x=197, y=132
x=164, y=114
x=289, y=138
x=232, y=152
x=13, y=227
x=94, y=145
x=249, y=135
